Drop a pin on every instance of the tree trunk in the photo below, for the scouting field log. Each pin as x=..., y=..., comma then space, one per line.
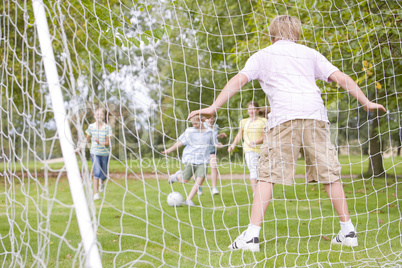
x=376, y=166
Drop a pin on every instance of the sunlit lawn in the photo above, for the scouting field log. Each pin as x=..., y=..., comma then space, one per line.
x=351, y=165
x=137, y=226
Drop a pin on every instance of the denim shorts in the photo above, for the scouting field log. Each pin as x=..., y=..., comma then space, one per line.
x=100, y=165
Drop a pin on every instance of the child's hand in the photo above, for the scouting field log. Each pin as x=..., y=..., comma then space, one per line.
x=207, y=112
x=219, y=145
x=371, y=106
x=222, y=135
x=97, y=141
x=231, y=148
x=165, y=152
x=77, y=150
x=252, y=144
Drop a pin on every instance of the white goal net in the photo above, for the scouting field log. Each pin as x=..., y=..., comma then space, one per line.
x=147, y=65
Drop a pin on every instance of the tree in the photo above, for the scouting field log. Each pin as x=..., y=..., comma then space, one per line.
x=197, y=63
x=93, y=44
x=363, y=40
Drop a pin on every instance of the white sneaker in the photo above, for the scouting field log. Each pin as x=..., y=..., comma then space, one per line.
x=101, y=186
x=96, y=196
x=215, y=191
x=189, y=203
x=349, y=240
x=173, y=178
x=199, y=190
x=240, y=242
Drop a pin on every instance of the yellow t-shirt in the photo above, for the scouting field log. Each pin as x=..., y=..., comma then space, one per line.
x=252, y=131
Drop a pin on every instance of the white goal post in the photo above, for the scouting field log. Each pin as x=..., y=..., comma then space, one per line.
x=85, y=222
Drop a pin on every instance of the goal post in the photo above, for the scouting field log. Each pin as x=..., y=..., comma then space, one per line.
x=85, y=222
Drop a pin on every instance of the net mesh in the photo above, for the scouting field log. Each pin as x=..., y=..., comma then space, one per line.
x=149, y=64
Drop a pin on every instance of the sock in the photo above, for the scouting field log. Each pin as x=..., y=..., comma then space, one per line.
x=347, y=227
x=252, y=231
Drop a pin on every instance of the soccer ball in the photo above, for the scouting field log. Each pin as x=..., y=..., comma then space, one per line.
x=175, y=199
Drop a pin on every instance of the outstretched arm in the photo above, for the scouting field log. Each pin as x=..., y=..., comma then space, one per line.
x=231, y=88
x=354, y=90
x=222, y=135
x=173, y=148
x=82, y=144
x=236, y=140
x=257, y=142
x=106, y=143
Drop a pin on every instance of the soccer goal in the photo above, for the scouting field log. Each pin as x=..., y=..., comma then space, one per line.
x=140, y=68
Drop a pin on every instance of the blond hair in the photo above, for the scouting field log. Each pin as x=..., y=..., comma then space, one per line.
x=285, y=27
x=103, y=111
x=197, y=118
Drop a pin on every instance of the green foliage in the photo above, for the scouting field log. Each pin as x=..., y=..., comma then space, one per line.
x=198, y=61
x=349, y=35
x=97, y=30
x=24, y=108
x=91, y=40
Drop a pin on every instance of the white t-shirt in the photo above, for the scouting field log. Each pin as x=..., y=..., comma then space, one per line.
x=215, y=130
x=197, y=145
x=287, y=72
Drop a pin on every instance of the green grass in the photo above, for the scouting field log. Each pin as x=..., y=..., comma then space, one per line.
x=137, y=226
x=351, y=165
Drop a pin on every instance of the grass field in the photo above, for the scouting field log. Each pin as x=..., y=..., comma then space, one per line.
x=351, y=165
x=138, y=229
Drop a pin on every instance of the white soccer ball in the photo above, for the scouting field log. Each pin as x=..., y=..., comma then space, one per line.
x=175, y=199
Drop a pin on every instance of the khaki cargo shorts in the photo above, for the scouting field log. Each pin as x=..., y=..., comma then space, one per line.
x=196, y=170
x=277, y=163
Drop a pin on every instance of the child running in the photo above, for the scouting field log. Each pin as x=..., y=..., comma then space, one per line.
x=210, y=122
x=251, y=131
x=287, y=72
x=99, y=134
x=197, y=141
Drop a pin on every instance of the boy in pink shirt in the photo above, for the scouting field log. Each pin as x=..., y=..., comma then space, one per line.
x=287, y=72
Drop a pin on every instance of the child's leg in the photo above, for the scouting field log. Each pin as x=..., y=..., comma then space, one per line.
x=262, y=197
x=347, y=235
x=187, y=173
x=252, y=164
x=249, y=240
x=97, y=172
x=253, y=183
x=104, y=164
x=200, y=172
x=96, y=185
x=194, y=190
x=337, y=195
x=214, y=169
x=180, y=178
x=323, y=166
x=276, y=165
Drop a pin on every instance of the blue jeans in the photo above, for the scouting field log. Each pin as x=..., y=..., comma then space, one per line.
x=100, y=165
